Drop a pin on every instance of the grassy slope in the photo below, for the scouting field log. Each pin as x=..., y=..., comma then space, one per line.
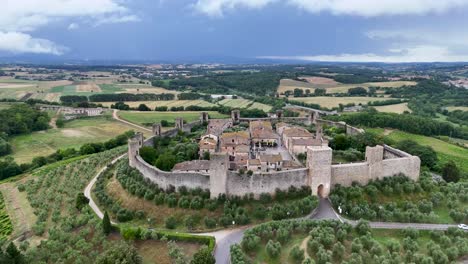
x=445, y=151
x=74, y=134
x=155, y=117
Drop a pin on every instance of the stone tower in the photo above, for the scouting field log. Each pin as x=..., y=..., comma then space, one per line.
x=319, y=160
x=179, y=123
x=134, y=145
x=374, y=156
x=279, y=114
x=218, y=174
x=157, y=129
x=235, y=116
x=204, y=117
x=318, y=131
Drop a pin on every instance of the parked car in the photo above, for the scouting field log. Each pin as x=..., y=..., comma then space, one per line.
x=463, y=226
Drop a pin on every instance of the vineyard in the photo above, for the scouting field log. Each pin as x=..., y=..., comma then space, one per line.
x=5, y=223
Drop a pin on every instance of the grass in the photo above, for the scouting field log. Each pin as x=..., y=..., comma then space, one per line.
x=73, y=135
x=5, y=223
x=6, y=105
x=261, y=255
x=238, y=103
x=395, y=108
x=290, y=85
x=330, y=102
x=144, y=118
x=445, y=151
x=169, y=104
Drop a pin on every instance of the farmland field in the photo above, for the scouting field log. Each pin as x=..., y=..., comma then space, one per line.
x=290, y=85
x=244, y=103
x=52, y=90
x=171, y=103
x=395, y=108
x=330, y=102
x=6, y=226
x=445, y=151
x=453, y=108
x=145, y=118
x=73, y=135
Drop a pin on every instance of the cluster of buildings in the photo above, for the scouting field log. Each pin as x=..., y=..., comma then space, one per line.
x=260, y=147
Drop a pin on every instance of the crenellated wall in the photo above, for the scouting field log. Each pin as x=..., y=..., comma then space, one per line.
x=320, y=174
x=258, y=183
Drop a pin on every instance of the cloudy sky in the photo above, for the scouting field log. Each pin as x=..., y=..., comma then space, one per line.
x=309, y=30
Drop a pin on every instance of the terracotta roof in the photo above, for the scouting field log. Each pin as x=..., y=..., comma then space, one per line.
x=193, y=165
x=207, y=143
x=272, y=158
x=254, y=162
x=297, y=132
x=217, y=126
x=282, y=124
x=260, y=124
x=263, y=133
x=242, y=149
x=306, y=142
x=241, y=134
x=291, y=164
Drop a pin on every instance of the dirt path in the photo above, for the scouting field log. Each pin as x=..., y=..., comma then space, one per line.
x=115, y=115
x=53, y=120
x=304, y=246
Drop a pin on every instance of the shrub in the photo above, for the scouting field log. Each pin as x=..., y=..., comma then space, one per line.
x=210, y=222
x=171, y=222
x=273, y=249
x=297, y=254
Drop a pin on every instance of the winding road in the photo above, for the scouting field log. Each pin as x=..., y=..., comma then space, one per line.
x=226, y=238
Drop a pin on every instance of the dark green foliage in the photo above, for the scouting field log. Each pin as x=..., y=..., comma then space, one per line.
x=357, y=91
x=426, y=153
x=203, y=256
x=22, y=118
x=120, y=106
x=450, y=172
x=171, y=222
x=149, y=154
x=70, y=99
x=106, y=224
x=81, y=201
x=143, y=107
x=273, y=249
x=409, y=123
x=297, y=254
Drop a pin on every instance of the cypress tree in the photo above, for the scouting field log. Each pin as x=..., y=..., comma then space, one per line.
x=106, y=224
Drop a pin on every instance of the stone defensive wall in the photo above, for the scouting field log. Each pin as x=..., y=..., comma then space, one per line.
x=380, y=162
x=319, y=173
x=258, y=183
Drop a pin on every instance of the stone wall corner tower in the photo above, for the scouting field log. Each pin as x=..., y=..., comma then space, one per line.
x=203, y=117
x=157, y=129
x=235, y=116
x=218, y=174
x=319, y=160
x=134, y=145
x=179, y=123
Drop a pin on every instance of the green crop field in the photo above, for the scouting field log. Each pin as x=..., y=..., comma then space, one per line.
x=145, y=118
x=445, y=151
x=330, y=102
x=73, y=135
x=6, y=226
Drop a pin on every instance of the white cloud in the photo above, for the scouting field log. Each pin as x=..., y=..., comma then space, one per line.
x=217, y=7
x=17, y=42
x=21, y=16
x=412, y=54
x=366, y=8
x=73, y=26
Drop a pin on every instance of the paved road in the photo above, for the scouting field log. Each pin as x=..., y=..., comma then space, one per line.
x=116, y=117
x=87, y=190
